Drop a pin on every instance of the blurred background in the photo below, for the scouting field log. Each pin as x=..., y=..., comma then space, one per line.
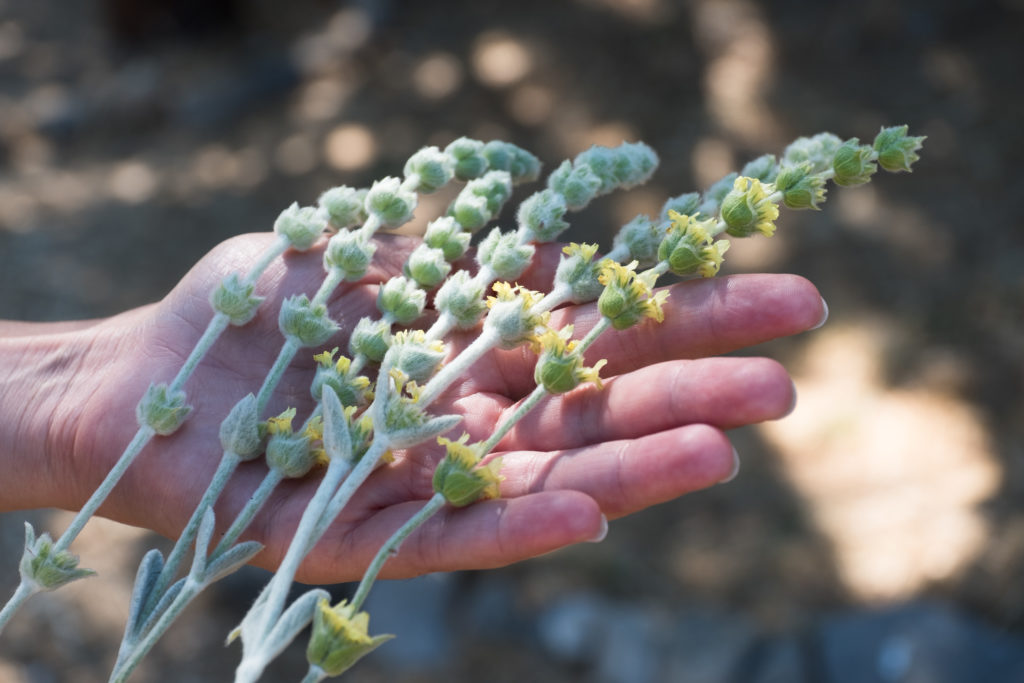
x=876, y=534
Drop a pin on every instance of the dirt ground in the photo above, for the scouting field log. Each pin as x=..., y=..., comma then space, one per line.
x=135, y=136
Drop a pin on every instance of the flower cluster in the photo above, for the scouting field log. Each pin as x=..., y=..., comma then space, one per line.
x=380, y=397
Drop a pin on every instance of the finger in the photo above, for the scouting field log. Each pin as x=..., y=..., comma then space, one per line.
x=702, y=318
x=628, y=475
x=485, y=535
x=723, y=392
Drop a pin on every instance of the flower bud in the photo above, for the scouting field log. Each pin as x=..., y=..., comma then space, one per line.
x=852, y=163
x=818, y=150
x=800, y=188
x=686, y=204
x=641, y=237
x=688, y=246
x=446, y=234
x=494, y=188
x=577, y=184
x=427, y=266
x=390, y=203
x=896, y=150
x=46, y=568
x=747, y=209
x=340, y=638
x=503, y=254
x=541, y=215
x=625, y=166
x=578, y=270
x=511, y=316
x=763, y=168
x=239, y=432
x=351, y=253
x=310, y=325
x=370, y=338
x=459, y=476
x=405, y=422
x=414, y=356
x=345, y=206
x=350, y=388
x=629, y=297
x=461, y=297
x=302, y=226
x=433, y=167
x=402, y=299
x=468, y=158
x=161, y=409
x=504, y=156
x=235, y=299
x=560, y=365
x=291, y=455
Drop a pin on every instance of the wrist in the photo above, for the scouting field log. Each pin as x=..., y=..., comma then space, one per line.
x=43, y=390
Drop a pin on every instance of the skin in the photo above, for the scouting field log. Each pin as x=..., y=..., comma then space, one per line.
x=655, y=432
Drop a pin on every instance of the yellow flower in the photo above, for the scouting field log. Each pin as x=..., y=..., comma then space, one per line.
x=585, y=251
x=629, y=296
x=712, y=258
x=460, y=478
x=281, y=424
x=747, y=209
x=340, y=638
x=560, y=366
x=512, y=316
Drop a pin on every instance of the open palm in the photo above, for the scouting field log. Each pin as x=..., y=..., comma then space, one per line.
x=652, y=434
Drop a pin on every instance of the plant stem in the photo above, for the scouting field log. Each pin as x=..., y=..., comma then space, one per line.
x=457, y=366
x=136, y=445
x=436, y=502
x=217, y=325
x=245, y=516
x=285, y=356
x=314, y=675
x=26, y=589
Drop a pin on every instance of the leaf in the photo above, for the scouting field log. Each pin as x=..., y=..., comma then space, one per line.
x=149, y=571
x=230, y=560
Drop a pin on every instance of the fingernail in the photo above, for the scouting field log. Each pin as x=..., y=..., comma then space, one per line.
x=824, y=316
x=599, y=536
x=735, y=467
x=792, y=402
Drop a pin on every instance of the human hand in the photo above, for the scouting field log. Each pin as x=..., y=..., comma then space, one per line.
x=652, y=434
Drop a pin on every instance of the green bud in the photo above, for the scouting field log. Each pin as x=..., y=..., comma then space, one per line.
x=427, y=266
x=577, y=184
x=748, y=209
x=350, y=388
x=503, y=254
x=541, y=214
x=764, y=168
x=302, y=226
x=470, y=211
x=414, y=356
x=578, y=270
x=402, y=299
x=641, y=236
x=462, y=298
x=235, y=299
x=162, y=410
x=239, y=432
x=290, y=454
x=523, y=166
x=350, y=252
x=434, y=168
x=468, y=158
x=446, y=234
x=818, y=150
x=46, y=568
x=511, y=318
x=853, y=163
x=896, y=150
x=390, y=203
x=481, y=200
x=460, y=478
x=370, y=338
x=685, y=204
x=310, y=325
x=800, y=188
x=345, y=206
x=340, y=638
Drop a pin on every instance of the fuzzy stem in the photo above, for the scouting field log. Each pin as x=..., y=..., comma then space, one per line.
x=136, y=445
x=314, y=675
x=252, y=506
x=217, y=325
x=457, y=366
x=26, y=589
x=285, y=356
x=436, y=502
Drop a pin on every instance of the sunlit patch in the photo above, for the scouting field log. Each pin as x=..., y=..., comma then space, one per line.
x=437, y=75
x=296, y=154
x=893, y=477
x=531, y=104
x=711, y=160
x=350, y=147
x=132, y=182
x=500, y=60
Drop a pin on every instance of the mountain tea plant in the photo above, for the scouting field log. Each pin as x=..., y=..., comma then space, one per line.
x=377, y=396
